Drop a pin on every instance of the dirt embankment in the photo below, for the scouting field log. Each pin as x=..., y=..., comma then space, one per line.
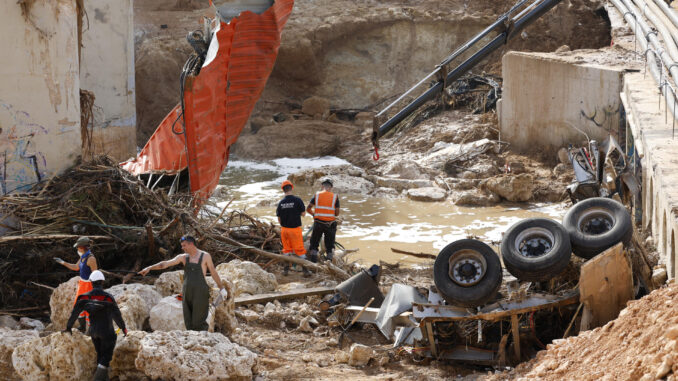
x=641, y=344
x=355, y=54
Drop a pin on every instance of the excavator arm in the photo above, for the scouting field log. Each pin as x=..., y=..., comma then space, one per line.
x=505, y=28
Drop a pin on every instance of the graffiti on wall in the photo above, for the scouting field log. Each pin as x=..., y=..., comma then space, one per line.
x=606, y=117
x=21, y=164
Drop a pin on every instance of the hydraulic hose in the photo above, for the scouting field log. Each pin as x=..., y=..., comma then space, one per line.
x=649, y=11
x=668, y=11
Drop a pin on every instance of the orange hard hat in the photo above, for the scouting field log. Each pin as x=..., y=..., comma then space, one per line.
x=286, y=182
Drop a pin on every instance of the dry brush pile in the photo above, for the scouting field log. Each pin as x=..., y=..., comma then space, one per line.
x=132, y=226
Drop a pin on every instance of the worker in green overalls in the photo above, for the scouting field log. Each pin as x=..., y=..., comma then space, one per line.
x=195, y=291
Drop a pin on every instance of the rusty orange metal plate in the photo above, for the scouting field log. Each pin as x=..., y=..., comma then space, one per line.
x=217, y=102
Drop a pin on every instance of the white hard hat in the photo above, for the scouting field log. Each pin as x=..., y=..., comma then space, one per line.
x=96, y=275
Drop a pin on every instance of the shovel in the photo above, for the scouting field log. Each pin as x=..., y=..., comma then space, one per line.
x=345, y=330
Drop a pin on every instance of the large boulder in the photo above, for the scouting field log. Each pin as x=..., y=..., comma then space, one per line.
x=168, y=315
x=343, y=183
x=360, y=355
x=428, y=194
x=169, y=284
x=8, y=322
x=9, y=340
x=61, y=303
x=190, y=355
x=135, y=301
x=515, y=188
x=57, y=357
x=474, y=198
x=126, y=351
x=247, y=277
x=316, y=106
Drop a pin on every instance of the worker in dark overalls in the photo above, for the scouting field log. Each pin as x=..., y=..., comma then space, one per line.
x=195, y=291
x=103, y=310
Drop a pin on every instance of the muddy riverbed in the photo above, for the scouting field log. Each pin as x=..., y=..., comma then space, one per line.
x=372, y=224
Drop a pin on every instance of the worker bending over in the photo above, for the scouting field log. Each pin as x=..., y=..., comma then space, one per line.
x=102, y=310
x=324, y=207
x=195, y=291
x=85, y=265
x=290, y=210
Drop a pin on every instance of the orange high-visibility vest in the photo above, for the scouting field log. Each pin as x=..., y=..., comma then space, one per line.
x=324, y=206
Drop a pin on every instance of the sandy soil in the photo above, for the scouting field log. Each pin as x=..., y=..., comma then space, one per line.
x=641, y=344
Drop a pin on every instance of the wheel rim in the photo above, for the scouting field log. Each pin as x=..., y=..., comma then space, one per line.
x=534, y=242
x=467, y=267
x=596, y=221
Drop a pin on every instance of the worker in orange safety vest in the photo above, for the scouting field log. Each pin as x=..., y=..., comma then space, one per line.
x=324, y=207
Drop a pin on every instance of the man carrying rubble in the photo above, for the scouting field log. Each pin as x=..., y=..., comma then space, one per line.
x=290, y=210
x=103, y=310
x=326, y=205
x=85, y=265
x=195, y=290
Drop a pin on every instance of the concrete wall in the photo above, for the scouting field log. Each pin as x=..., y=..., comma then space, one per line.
x=545, y=95
x=658, y=147
x=107, y=70
x=39, y=91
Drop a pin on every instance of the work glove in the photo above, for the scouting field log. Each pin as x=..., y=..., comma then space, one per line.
x=223, y=293
x=58, y=260
x=124, y=331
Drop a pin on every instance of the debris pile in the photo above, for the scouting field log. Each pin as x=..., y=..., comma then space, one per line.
x=132, y=226
x=641, y=344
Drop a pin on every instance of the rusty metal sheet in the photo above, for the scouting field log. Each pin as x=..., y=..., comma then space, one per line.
x=605, y=285
x=217, y=102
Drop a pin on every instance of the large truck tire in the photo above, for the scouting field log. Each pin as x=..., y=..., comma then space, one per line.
x=467, y=273
x=536, y=249
x=596, y=224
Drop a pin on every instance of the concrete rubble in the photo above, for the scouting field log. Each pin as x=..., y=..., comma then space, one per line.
x=57, y=357
x=9, y=340
x=511, y=187
x=190, y=355
x=360, y=355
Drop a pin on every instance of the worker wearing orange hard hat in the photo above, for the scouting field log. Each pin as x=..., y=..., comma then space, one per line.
x=290, y=210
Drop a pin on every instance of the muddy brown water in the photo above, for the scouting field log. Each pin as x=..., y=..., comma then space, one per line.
x=375, y=225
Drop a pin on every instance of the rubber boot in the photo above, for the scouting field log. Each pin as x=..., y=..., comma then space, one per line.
x=330, y=255
x=286, y=270
x=83, y=324
x=101, y=373
x=307, y=272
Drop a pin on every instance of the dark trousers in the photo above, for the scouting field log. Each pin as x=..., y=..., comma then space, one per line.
x=196, y=302
x=326, y=229
x=104, y=347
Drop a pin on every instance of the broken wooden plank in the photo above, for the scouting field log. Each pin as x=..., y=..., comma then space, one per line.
x=605, y=285
x=418, y=255
x=515, y=331
x=293, y=294
x=11, y=238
